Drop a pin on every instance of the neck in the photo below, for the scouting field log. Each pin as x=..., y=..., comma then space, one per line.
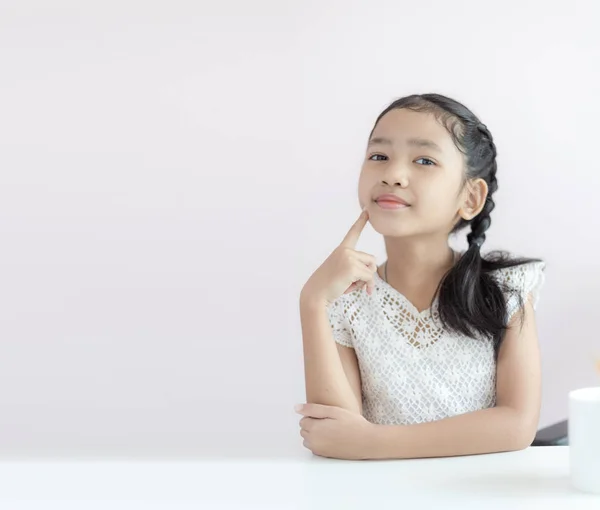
x=415, y=261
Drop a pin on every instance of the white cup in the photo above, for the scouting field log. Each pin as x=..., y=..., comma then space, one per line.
x=584, y=439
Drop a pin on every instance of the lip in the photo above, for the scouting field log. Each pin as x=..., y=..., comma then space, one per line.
x=390, y=197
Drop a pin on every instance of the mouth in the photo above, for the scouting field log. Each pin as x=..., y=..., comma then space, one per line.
x=391, y=202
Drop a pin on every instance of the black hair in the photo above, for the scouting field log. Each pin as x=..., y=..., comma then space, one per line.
x=470, y=300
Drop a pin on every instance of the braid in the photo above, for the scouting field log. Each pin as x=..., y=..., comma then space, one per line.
x=482, y=221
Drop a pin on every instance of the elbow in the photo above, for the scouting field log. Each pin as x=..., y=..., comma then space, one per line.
x=529, y=437
x=523, y=433
x=522, y=441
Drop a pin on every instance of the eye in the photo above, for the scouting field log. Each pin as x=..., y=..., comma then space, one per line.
x=377, y=156
x=429, y=161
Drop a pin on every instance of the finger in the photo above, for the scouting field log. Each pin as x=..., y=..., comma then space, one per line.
x=350, y=289
x=370, y=287
x=370, y=282
x=359, y=284
x=354, y=233
x=309, y=423
x=367, y=259
x=319, y=411
x=364, y=285
x=371, y=267
x=363, y=275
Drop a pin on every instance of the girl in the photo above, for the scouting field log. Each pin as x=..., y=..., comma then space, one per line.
x=433, y=353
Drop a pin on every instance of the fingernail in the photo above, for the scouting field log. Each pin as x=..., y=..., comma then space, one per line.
x=298, y=408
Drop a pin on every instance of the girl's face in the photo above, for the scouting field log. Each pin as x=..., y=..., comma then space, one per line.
x=411, y=155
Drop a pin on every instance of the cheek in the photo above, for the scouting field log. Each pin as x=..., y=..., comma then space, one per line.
x=439, y=196
x=365, y=189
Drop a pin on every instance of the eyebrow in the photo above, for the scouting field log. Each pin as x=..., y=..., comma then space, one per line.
x=414, y=142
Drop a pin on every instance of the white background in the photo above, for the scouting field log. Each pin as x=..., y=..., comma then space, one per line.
x=173, y=172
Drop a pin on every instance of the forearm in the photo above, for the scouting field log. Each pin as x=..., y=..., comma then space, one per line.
x=496, y=429
x=326, y=381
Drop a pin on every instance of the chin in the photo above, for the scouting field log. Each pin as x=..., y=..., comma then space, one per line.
x=390, y=222
x=394, y=232
x=392, y=227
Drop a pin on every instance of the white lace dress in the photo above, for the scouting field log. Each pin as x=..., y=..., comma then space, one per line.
x=412, y=370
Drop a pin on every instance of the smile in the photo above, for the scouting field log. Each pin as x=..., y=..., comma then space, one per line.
x=391, y=205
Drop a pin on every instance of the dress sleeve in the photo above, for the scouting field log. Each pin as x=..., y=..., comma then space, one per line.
x=339, y=323
x=523, y=281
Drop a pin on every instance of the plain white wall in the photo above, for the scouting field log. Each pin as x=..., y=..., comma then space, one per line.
x=173, y=172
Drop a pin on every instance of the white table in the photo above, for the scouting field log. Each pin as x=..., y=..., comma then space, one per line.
x=534, y=478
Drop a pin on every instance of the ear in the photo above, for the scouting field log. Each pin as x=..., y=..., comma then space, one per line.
x=474, y=196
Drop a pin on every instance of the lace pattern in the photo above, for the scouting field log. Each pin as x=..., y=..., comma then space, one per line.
x=413, y=371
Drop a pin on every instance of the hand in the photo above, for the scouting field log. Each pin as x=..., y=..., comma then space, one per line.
x=344, y=270
x=335, y=432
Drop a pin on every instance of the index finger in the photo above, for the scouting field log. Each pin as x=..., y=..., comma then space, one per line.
x=354, y=233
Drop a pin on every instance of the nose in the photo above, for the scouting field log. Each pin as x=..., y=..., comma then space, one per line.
x=396, y=175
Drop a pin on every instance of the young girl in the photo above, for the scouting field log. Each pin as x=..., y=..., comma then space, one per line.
x=434, y=352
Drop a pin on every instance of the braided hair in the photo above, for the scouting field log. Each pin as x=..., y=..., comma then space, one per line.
x=470, y=300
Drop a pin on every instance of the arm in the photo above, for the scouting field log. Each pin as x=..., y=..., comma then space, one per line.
x=331, y=374
x=350, y=364
x=511, y=425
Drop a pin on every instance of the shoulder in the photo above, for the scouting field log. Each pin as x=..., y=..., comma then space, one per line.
x=520, y=281
x=342, y=313
x=527, y=274
x=353, y=310
x=350, y=305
